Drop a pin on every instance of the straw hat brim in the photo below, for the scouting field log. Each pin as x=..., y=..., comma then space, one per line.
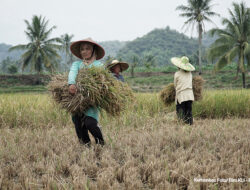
x=75, y=48
x=185, y=66
x=124, y=66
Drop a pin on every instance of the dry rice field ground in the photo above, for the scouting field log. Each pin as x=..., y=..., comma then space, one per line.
x=146, y=148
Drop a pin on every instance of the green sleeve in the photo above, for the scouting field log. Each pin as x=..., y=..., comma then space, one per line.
x=73, y=73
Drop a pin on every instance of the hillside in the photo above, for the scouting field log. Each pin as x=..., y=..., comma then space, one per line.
x=4, y=52
x=162, y=43
x=112, y=47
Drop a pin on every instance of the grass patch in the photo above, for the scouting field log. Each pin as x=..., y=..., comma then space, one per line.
x=223, y=103
x=15, y=89
x=27, y=110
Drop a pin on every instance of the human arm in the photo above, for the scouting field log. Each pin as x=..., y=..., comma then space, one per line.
x=72, y=77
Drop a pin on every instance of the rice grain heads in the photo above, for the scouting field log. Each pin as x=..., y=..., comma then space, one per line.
x=167, y=95
x=95, y=87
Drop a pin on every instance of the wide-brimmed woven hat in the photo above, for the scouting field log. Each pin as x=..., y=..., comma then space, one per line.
x=75, y=48
x=183, y=63
x=124, y=66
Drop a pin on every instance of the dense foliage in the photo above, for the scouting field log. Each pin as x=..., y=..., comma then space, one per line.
x=161, y=43
x=233, y=41
x=40, y=52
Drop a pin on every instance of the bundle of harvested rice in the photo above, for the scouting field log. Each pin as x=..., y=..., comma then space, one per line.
x=198, y=82
x=167, y=95
x=95, y=87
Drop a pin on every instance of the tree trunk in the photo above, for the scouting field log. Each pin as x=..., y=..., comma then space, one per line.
x=241, y=66
x=132, y=71
x=243, y=80
x=200, y=37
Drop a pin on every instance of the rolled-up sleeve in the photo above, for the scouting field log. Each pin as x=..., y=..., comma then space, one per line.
x=73, y=73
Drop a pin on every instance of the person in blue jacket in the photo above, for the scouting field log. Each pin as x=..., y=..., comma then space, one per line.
x=89, y=52
x=116, y=67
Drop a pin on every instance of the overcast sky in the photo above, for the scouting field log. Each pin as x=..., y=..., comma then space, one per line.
x=103, y=20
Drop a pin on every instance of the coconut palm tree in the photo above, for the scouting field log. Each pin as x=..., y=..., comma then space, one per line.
x=196, y=12
x=233, y=41
x=41, y=52
x=65, y=45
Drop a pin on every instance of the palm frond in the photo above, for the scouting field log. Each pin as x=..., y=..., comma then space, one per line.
x=248, y=61
x=222, y=62
x=26, y=57
x=216, y=52
x=187, y=15
x=53, y=40
x=246, y=48
x=184, y=8
x=231, y=54
x=46, y=34
x=18, y=47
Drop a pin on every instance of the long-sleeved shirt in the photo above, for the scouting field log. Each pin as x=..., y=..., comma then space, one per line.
x=183, y=86
x=92, y=111
x=118, y=77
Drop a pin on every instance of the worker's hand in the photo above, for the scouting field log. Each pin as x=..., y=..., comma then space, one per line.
x=72, y=89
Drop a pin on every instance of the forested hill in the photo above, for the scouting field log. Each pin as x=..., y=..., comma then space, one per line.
x=112, y=47
x=4, y=52
x=161, y=43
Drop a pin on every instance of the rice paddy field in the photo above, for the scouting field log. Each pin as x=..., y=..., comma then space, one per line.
x=146, y=146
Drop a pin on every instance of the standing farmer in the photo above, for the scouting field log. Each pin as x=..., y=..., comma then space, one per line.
x=116, y=67
x=183, y=88
x=89, y=52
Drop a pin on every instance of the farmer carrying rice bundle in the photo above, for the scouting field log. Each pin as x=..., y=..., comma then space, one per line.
x=89, y=88
x=90, y=52
x=184, y=90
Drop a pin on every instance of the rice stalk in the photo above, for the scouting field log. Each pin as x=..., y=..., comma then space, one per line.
x=95, y=87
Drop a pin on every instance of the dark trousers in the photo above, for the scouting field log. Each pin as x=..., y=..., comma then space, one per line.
x=184, y=111
x=83, y=124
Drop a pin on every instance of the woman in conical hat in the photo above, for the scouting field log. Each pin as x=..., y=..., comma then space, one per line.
x=89, y=52
x=116, y=67
x=183, y=88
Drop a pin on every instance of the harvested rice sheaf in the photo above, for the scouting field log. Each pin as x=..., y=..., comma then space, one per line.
x=95, y=87
x=198, y=82
x=167, y=95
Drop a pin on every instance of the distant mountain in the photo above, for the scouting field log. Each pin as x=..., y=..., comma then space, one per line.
x=4, y=52
x=162, y=43
x=112, y=47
